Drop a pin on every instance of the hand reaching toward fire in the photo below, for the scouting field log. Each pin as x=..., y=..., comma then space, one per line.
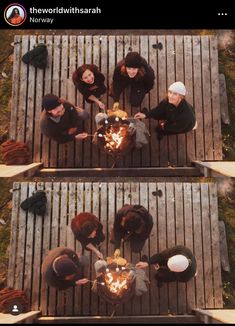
x=99, y=255
x=142, y=264
x=81, y=136
x=82, y=281
x=101, y=105
x=139, y=115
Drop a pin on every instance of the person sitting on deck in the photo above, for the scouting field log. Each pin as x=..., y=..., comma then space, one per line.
x=176, y=115
x=88, y=231
x=90, y=82
x=132, y=223
x=62, y=268
x=173, y=264
x=135, y=72
x=62, y=121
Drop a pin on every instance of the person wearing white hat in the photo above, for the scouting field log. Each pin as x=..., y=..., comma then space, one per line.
x=176, y=115
x=173, y=264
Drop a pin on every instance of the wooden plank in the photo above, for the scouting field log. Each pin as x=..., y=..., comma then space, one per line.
x=61, y=296
x=206, y=91
x=23, y=318
x=95, y=108
x=170, y=57
x=223, y=247
x=153, y=249
x=188, y=70
x=119, y=56
x=87, y=149
x=179, y=75
x=15, y=86
x=219, y=316
x=180, y=240
x=135, y=45
x=36, y=275
x=37, y=146
x=23, y=92
x=70, y=243
x=63, y=92
x=107, y=213
x=119, y=197
x=71, y=93
x=197, y=82
x=162, y=87
x=215, y=99
x=144, y=201
x=14, y=233
x=105, y=98
x=79, y=289
x=54, y=241
x=134, y=257
x=188, y=231
x=153, y=142
x=171, y=240
x=127, y=48
x=145, y=151
x=218, y=289
x=206, y=232
x=95, y=210
x=46, y=231
x=28, y=252
x=55, y=90
x=162, y=235
x=9, y=171
x=80, y=102
x=29, y=131
x=86, y=290
x=224, y=111
x=22, y=224
x=47, y=90
x=197, y=227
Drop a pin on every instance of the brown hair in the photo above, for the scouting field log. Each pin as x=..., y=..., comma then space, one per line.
x=84, y=223
x=80, y=71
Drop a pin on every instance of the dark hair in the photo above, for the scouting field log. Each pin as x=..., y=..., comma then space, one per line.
x=13, y=13
x=133, y=221
x=84, y=224
x=80, y=71
x=87, y=228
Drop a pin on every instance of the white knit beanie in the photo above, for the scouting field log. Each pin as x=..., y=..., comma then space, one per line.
x=178, y=87
x=177, y=263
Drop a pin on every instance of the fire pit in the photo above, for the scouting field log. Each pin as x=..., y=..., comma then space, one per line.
x=116, y=285
x=115, y=137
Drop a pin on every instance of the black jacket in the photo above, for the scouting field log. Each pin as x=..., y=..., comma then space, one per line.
x=178, y=119
x=164, y=274
x=97, y=88
x=48, y=273
x=59, y=131
x=121, y=81
x=120, y=232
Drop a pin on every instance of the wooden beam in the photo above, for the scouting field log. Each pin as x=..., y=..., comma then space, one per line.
x=9, y=171
x=218, y=168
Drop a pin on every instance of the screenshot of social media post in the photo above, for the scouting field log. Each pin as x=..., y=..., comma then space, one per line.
x=117, y=162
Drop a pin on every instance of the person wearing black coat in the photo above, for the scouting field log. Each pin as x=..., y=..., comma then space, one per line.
x=62, y=268
x=133, y=71
x=173, y=264
x=62, y=121
x=132, y=223
x=88, y=231
x=176, y=115
x=90, y=82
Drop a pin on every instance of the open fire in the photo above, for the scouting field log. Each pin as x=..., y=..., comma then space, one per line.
x=114, y=136
x=116, y=284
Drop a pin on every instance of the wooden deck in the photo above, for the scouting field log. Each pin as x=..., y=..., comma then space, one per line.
x=185, y=214
x=191, y=59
